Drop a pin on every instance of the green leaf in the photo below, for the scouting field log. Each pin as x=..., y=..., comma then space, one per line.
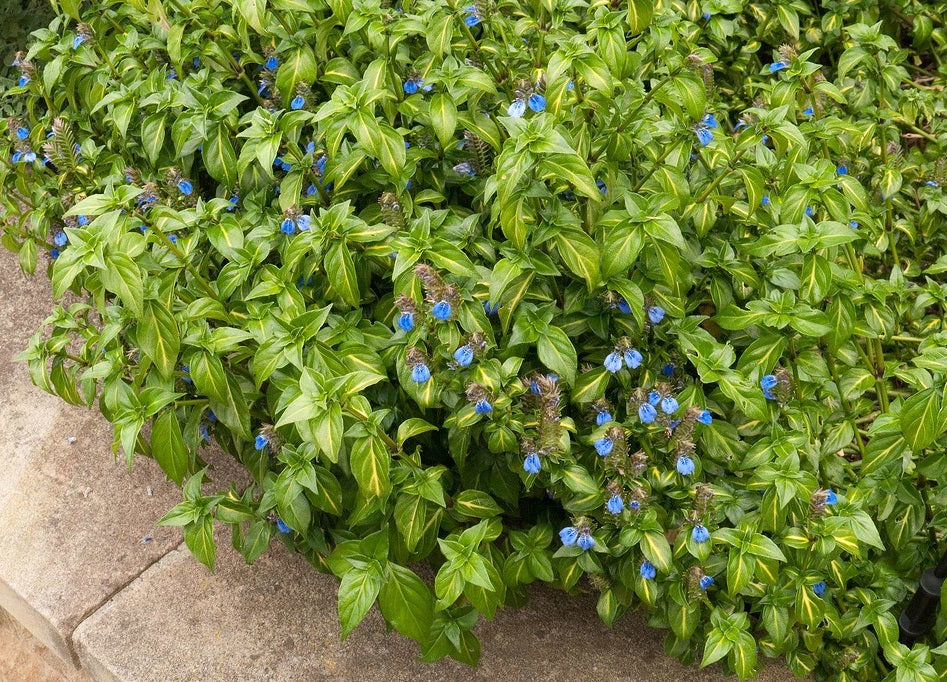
x=580, y=253
x=920, y=419
x=716, y=647
x=370, y=462
x=477, y=504
x=406, y=603
x=640, y=13
x=219, y=156
x=122, y=276
x=158, y=337
x=168, y=447
x=654, y=545
x=252, y=12
x=340, y=268
x=226, y=397
x=357, y=592
x=558, y=354
x=199, y=538
x=443, y=113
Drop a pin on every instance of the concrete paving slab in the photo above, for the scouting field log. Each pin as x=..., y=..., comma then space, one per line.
x=276, y=621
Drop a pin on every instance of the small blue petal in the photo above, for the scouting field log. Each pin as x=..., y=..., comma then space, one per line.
x=288, y=226
x=613, y=362
x=819, y=588
x=685, y=465
x=536, y=102
x=647, y=414
x=603, y=417
x=298, y=102
x=441, y=311
x=831, y=497
x=483, y=406
x=568, y=536
x=464, y=356
x=185, y=187
x=615, y=505
x=532, y=465
x=700, y=534
x=604, y=446
x=406, y=322
x=704, y=136
x=585, y=541
x=647, y=570
x=272, y=63
x=420, y=373
x=777, y=66
x=517, y=108
x=656, y=314
x=303, y=222
x=260, y=442
x=705, y=417
x=705, y=582
x=633, y=358
x=669, y=405
x=283, y=528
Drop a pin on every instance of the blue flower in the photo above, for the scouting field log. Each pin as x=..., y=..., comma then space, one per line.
x=654, y=398
x=172, y=75
x=24, y=79
x=705, y=417
x=685, y=465
x=704, y=136
x=534, y=387
x=22, y=133
x=604, y=446
x=303, y=222
x=532, y=465
x=808, y=111
x=16, y=156
x=78, y=40
x=585, y=541
x=700, y=534
x=853, y=224
x=831, y=497
x=288, y=226
x=842, y=169
x=420, y=373
x=260, y=442
x=624, y=307
x=932, y=183
x=298, y=102
x=60, y=239
x=205, y=434
x=669, y=405
x=602, y=187
x=211, y=417
x=536, y=102
x=705, y=582
x=464, y=355
x=441, y=311
x=668, y=369
x=777, y=66
x=615, y=504
x=603, y=417
x=517, y=108
x=412, y=85
x=635, y=504
x=465, y=168
x=647, y=570
x=613, y=361
x=568, y=536
x=655, y=314
x=473, y=16
x=819, y=588
x=706, y=15
x=54, y=253
x=283, y=528
x=765, y=200
x=406, y=321
x=29, y=156
x=633, y=358
x=810, y=211
x=272, y=62
x=490, y=308
x=185, y=187
x=483, y=406
x=768, y=381
x=709, y=121
x=647, y=414
x=173, y=238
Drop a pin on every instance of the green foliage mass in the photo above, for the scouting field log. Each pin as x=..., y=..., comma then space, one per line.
x=395, y=258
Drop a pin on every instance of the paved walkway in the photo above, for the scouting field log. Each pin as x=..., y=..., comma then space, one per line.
x=84, y=569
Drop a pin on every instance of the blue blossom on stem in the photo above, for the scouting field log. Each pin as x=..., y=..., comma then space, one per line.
x=705, y=582
x=585, y=541
x=842, y=169
x=765, y=201
x=777, y=66
x=490, y=308
x=185, y=187
x=282, y=527
x=60, y=239
x=420, y=373
x=441, y=311
x=623, y=306
x=633, y=358
x=536, y=102
x=700, y=534
x=685, y=465
x=603, y=417
x=473, y=16
x=604, y=446
x=568, y=536
x=532, y=465
x=656, y=314
x=483, y=406
x=831, y=497
x=613, y=362
x=669, y=405
x=465, y=168
x=260, y=442
x=406, y=321
x=704, y=417
x=647, y=414
x=819, y=588
x=464, y=355
x=272, y=62
x=517, y=109
x=298, y=103
x=647, y=570
x=615, y=504
x=704, y=136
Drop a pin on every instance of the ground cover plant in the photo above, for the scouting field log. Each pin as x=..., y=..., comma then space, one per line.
x=645, y=299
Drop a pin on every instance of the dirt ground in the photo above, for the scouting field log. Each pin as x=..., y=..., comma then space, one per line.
x=24, y=659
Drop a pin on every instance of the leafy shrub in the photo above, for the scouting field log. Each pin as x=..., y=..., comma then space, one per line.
x=646, y=300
